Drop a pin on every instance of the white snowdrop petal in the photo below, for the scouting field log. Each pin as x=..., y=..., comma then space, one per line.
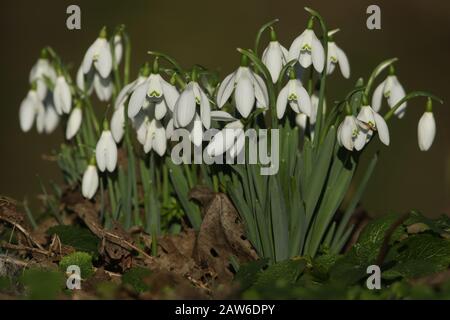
x=344, y=65
x=377, y=96
x=244, y=96
x=397, y=93
x=88, y=58
x=51, y=119
x=137, y=99
x=185, y=107
x=171, y=94
x=294, y=50
x=226, y=89
x=100, y=150
x=74, y=123
x=160, y=109
x=303, y=99
x=196, y=134
x=123, y=94
x=104, y=60
x=205, y=110
x=118, y=48
x=90, y=181
x=426, y=131
x=318, y=54
x=159, y=140
x=118, y=124
x=27, y=114
x=273, y=59
x=110, y=152
x=219, y=115
x=282, y=101
x=382, y=128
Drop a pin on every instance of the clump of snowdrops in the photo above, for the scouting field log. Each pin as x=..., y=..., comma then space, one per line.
x=118, y=152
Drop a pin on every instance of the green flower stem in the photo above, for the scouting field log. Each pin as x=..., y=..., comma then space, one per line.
x=165, y=185
x=132, y=188
x=261, y=31
x=127, y=57
x=117, y=82
x=111, y=193
x=270, y=87
x=93, y=117
x=169, y=59
x=283, y=73
x=323, y=76
x=410, y=96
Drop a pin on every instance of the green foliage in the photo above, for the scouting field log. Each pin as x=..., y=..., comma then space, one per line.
x=79, y=238
x=80, y=259
x=330, y=276
x=135, y=278
x=42, y=284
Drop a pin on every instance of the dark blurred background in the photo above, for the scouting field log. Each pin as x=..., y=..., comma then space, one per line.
x=207, y=32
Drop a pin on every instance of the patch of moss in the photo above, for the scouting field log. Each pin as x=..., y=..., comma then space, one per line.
x=80, y=259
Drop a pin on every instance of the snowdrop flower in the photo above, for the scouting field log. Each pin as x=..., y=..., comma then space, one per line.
x=51, y=118
x=103, y=87
x=30, y=107
x=99, y=56
x=337, y=56
x=247, y=87
x=307, y=49
x=152, y=135
x=374, y=122
x=74, y=122
x=349, y=134
x=231, y=138
x=154, y=90
x=274, y=57
x=106, y=151
x=301, y=120
x=85, y=82
x=126, y=91
x=41, y=70
x=393, y=91
x=89, y=184
x=118, y=49
x=118, y=123
x=185, y=107
x=62, y=96
x=294, y=94
x=426, y=129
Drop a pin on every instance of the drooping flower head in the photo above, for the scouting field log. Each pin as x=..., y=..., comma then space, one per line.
x=393, y=91
x=294, y=94
x=373, y=122
x=426, y=128
x=90, y=180
x=336, y=57
x=248, y=88
x=97, y=65
x=41, y=72
x=154, y=90
x=307, y=49
x=106, y=150
x=349, y=134
x=274, y=56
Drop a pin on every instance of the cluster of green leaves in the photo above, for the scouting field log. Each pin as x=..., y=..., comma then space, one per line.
x=408, y=256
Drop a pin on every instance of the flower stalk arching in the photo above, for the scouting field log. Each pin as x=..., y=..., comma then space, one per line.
x=410, y=96
x=376, y=72
x=260, y=33
x=169, y=59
